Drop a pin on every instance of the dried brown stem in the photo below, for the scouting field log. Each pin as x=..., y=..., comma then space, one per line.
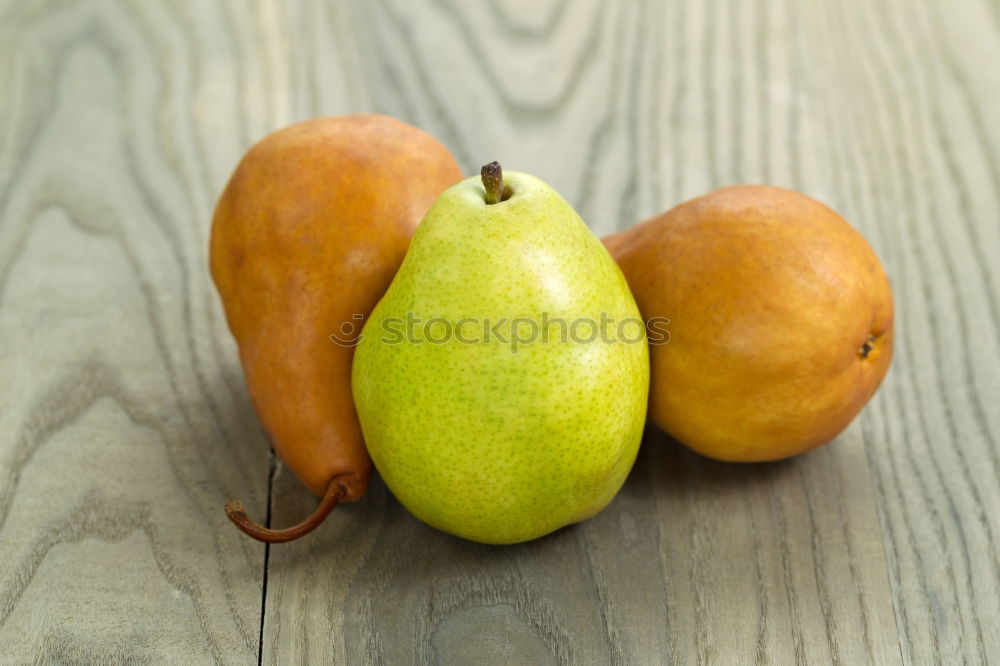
x=237, y=512
x=492, y=176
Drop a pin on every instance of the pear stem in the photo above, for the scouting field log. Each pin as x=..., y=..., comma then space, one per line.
x=492, y=176
x=237, y=512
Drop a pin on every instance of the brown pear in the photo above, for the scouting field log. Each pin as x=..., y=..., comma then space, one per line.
x=780, y=320
x=306, y=238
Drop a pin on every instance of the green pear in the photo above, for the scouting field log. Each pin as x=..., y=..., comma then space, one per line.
x=502, y=380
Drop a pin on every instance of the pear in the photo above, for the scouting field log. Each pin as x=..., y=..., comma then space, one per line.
x=780, y=320
x=502, y=381
x=305, y=239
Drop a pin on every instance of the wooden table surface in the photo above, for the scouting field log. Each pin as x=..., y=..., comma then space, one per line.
x=125, y=424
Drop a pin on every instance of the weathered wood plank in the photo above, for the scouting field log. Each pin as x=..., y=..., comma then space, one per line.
x=695, y=561
x=934, y=209
x=126, y=425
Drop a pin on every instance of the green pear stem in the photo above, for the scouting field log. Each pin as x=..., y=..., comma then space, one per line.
x=492, y=176
x=237, y=512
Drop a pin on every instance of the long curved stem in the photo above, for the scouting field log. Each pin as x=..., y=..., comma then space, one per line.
x=237, y=512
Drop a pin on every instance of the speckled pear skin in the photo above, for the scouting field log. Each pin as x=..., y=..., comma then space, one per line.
x=477, y=440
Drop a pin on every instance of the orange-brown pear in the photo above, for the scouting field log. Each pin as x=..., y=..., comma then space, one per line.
x=780, y=320
x=306, y=237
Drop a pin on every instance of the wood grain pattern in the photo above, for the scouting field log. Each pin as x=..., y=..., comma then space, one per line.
x=124, y=423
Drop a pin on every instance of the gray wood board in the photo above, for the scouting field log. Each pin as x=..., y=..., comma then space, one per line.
x=126, y=424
